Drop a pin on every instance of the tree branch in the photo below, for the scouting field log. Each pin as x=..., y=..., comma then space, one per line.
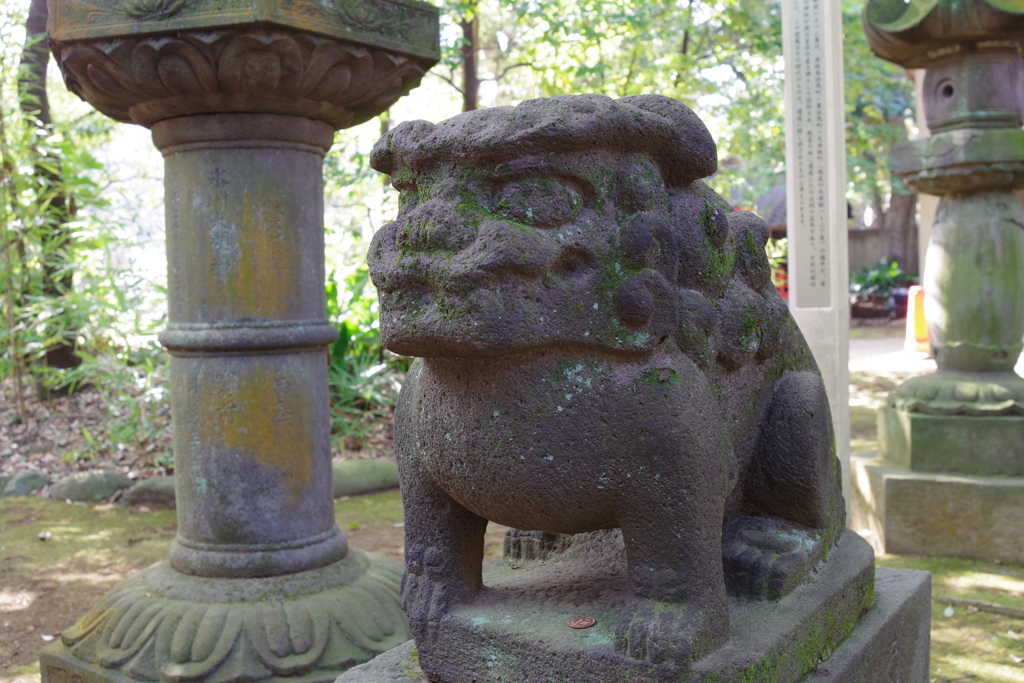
x=449, y=81
x=509, y=68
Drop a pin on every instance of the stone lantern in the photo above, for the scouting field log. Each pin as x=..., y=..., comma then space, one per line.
x=243, y=99
x=950, y=475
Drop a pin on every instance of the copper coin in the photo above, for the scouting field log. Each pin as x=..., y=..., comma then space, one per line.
x=581, y=622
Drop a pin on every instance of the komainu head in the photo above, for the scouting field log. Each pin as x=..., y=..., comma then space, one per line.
x=569, y=221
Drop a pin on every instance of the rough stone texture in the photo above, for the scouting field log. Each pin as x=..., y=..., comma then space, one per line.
x=967, y=418
x=601, y=348
x=89, y=486
x=517, y=629
x=407, y=27
x=890, y=644
x=170, y=626
x=353, y=477
x=952, y=444
x=397, y=665
x=917, y=513
x=155, y=492
x=23, y=484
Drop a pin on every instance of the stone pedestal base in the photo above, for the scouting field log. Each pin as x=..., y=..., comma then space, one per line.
x=919, y=513
x=308, y=627
x=514, y=635
x=890, y=642
x=970, y=444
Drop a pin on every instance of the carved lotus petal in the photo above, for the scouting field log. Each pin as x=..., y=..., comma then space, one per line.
x=144, y=80
x=946, y=395
x=151, y=633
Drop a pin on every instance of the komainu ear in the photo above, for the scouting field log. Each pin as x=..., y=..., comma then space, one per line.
x=647, y=302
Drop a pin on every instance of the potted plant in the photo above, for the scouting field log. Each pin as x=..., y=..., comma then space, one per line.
x=879, y=291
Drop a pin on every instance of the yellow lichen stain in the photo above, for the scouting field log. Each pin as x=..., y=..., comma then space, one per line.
x=265, y=273
x=267, y=418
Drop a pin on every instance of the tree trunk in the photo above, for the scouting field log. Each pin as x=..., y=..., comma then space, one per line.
x=900, y=226
x=470, y=46
x=55, y=236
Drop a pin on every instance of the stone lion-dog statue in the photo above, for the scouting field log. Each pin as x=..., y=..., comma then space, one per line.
x=600, y=346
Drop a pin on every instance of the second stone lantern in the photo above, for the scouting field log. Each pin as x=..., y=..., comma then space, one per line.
x=243, y=99
x=950, y=476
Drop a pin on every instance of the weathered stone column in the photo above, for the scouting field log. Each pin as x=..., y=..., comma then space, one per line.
x=966, y=419
x=243, y=103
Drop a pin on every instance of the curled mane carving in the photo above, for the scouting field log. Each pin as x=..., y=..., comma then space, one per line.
x=681, y=263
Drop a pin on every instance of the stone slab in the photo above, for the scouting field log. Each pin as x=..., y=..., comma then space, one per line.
x=158, y=492
x=24, y=484
x=890, y=643
x=517, y=629
x=405, y=26
x=89, y=486
x=919, y=513
x=952, y=444
x=355, y=477
x=520, y=624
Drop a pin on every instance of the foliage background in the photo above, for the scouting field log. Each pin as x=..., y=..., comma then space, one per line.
x=722, y=58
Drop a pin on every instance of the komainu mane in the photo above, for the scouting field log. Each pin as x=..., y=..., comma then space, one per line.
x=600, y=348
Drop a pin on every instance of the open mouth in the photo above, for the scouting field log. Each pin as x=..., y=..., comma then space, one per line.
x=462, y=274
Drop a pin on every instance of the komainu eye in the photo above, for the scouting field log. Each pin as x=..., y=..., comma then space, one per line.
x=539, y=202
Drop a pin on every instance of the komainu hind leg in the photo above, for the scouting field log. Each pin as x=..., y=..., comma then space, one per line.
x=792, y=494
x=533, y=546
x=604, y=545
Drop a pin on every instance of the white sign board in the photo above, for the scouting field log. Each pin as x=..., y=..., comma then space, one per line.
x=816, y=197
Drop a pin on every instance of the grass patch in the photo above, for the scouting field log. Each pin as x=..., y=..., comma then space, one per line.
x=46, y=585
x=970, y=645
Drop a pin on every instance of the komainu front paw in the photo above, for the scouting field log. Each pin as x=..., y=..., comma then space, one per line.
x=765, y=559
x=430, y=587
x=669, y=633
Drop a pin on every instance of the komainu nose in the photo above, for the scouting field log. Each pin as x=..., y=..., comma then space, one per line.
x=434, y=226
x=503, y=249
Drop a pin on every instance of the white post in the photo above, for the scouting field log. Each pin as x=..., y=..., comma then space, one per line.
x=812, y=41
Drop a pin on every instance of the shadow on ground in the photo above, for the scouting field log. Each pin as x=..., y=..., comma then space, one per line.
x=46, y=585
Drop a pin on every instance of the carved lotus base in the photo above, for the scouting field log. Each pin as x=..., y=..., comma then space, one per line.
x=982, y=394
x=161, y=625
x=150, y=78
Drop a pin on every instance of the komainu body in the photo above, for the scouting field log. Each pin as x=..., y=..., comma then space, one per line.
x=600, y=347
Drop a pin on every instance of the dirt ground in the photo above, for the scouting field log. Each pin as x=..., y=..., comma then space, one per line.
x=45, y=586
x=71, y=434
x=86, y=431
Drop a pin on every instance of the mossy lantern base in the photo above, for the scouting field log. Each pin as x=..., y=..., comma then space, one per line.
x=243, y=99
x=952, y=441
